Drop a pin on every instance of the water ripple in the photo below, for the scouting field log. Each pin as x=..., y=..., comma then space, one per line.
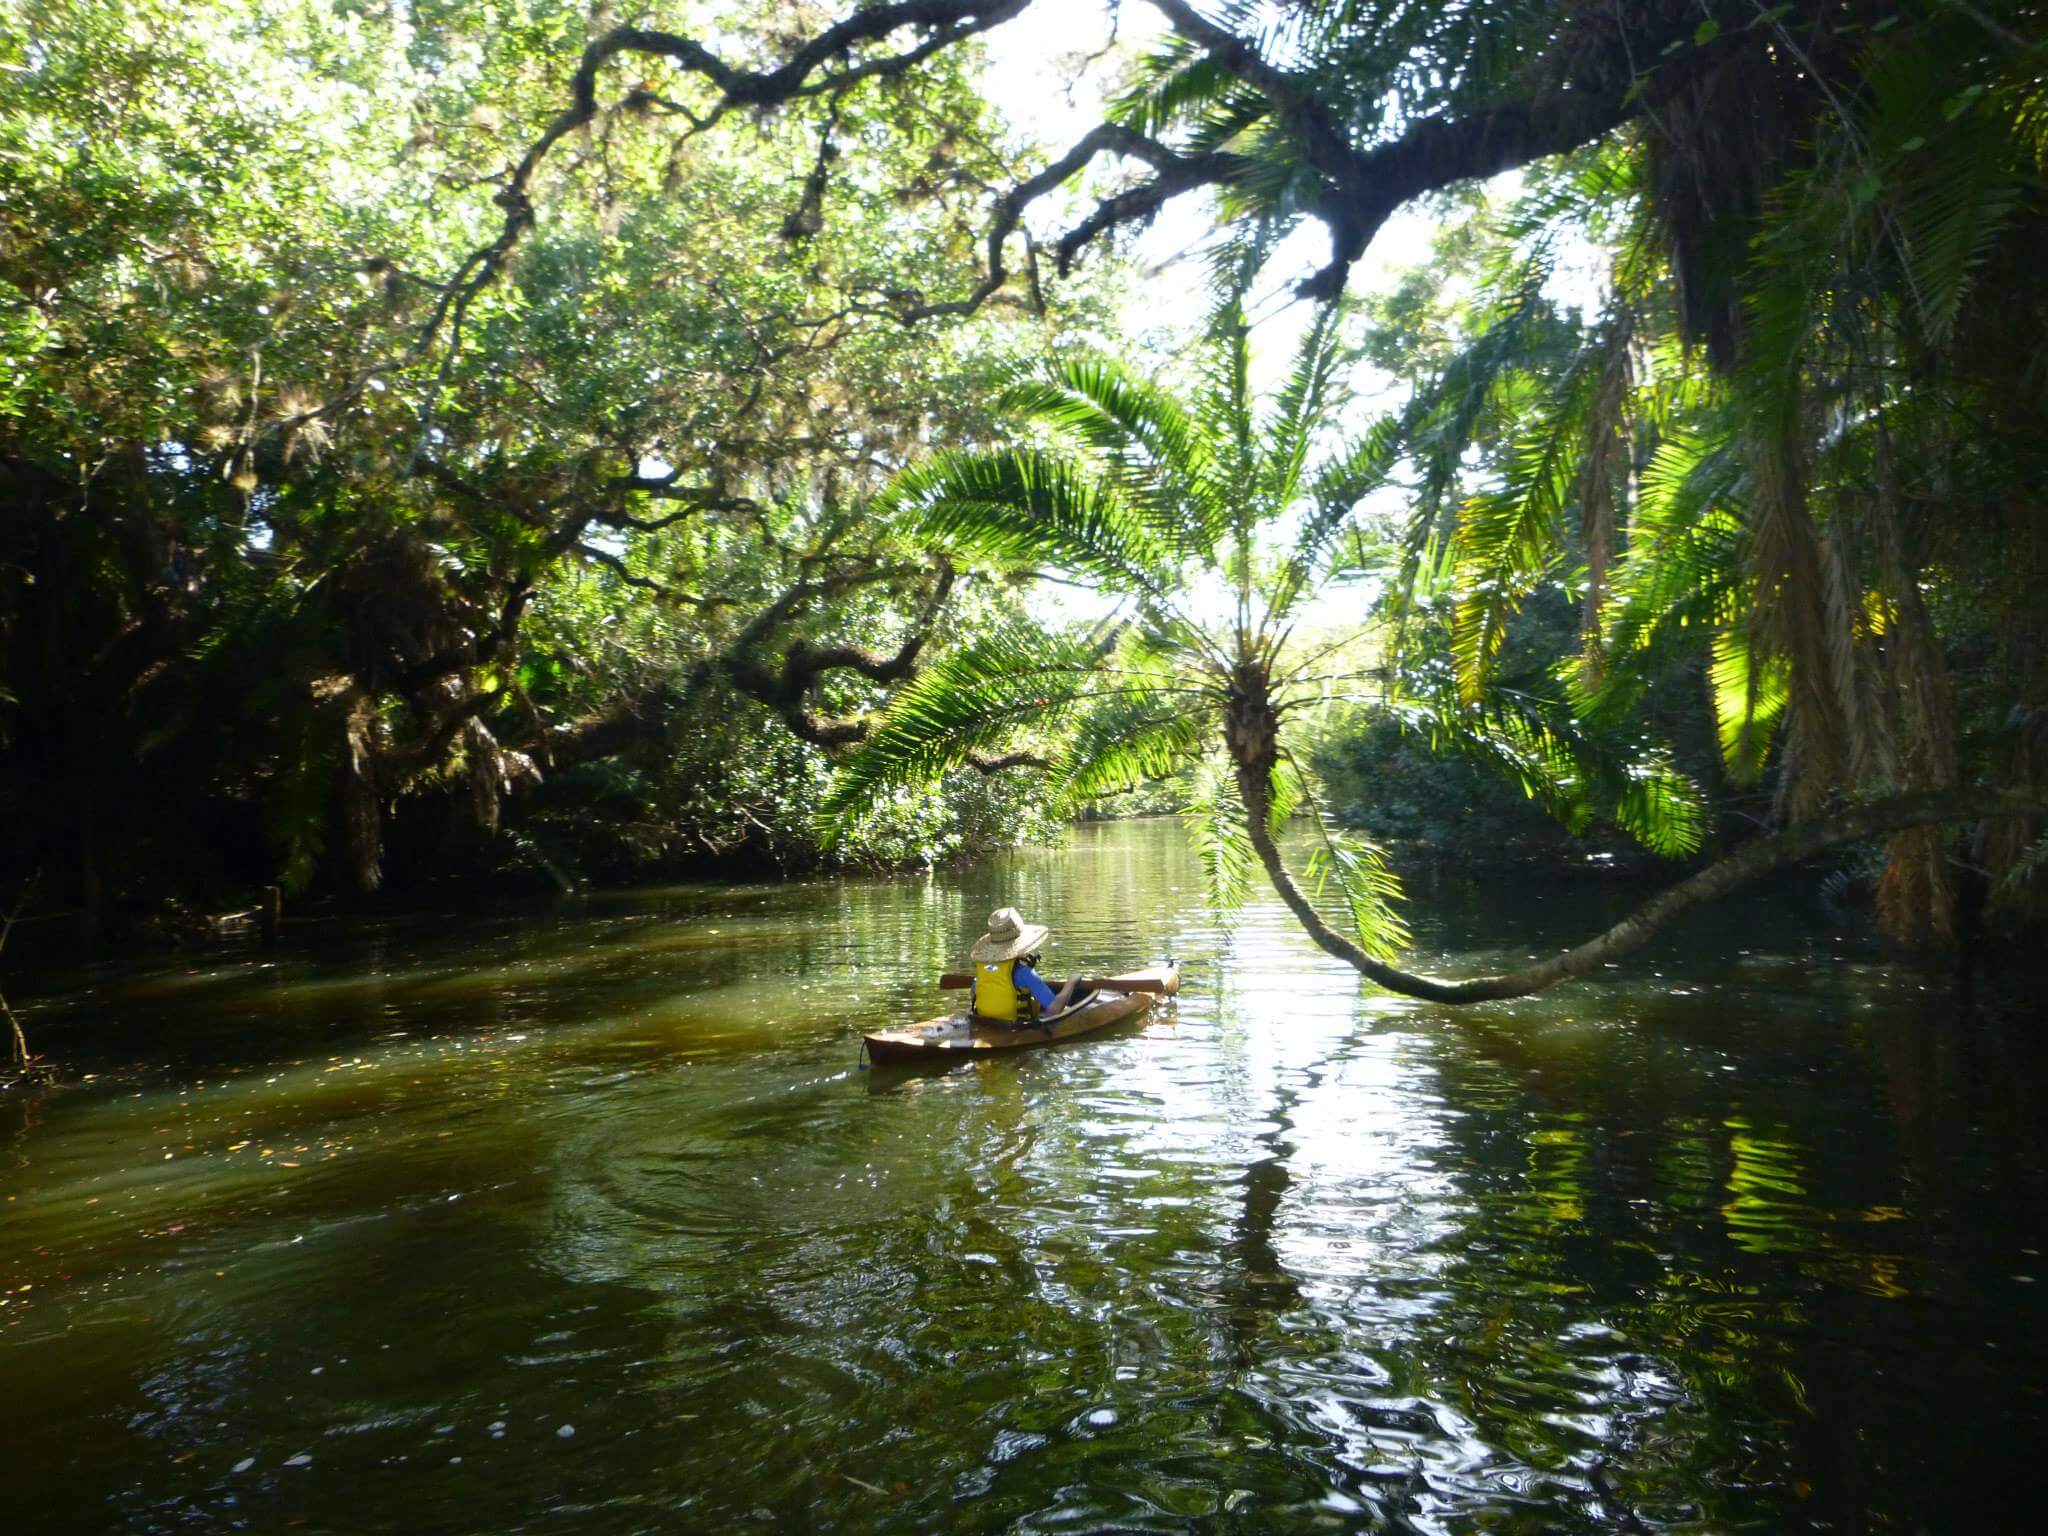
x=586, y=1221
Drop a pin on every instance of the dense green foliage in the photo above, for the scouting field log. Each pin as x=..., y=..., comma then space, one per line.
x=313, y=563
x=447, y=437
x=1813, y=488
x=1789, y=446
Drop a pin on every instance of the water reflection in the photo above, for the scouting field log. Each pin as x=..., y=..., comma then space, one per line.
x=586, y=1217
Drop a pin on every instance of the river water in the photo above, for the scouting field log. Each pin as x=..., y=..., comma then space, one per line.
x=585, y=1219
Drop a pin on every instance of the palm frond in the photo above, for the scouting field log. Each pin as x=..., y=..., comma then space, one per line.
x=1751, y=687
x=1371, y=890
x=1025, y=506
x=1216, y=831
x=1442, y=421
x=1574, y=775
x=1149, y=448
x=968, y=702
x=1508, y=536
x=1335, y=491
x=1660, y=806
x=1285, y=792
x=1226, y=408
x=1683, y=576
x=1177, y=81
x=1300, y=410
x=1950, y=178
x=1135, y=737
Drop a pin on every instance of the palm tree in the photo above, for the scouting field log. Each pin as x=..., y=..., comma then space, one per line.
x=1820, y=489
x=1802, y=450
x=1216, y=521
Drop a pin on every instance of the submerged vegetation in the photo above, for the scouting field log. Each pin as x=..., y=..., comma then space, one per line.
x=510, y=441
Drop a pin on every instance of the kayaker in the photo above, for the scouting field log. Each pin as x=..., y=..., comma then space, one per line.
x=1006, y=988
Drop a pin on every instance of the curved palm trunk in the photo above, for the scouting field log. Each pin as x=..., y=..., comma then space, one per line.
x=1660, y=911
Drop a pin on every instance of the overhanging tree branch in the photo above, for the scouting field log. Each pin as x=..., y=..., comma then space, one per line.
x=1173, y=174
x=802, y=74
x=1586, y=86
x=1583, y=85
x=787, y=688
x=1753, y=860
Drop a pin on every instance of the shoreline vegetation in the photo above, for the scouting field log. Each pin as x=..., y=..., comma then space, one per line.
x=1842, y=884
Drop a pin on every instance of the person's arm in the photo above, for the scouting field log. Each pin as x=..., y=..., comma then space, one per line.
x=1027, y=978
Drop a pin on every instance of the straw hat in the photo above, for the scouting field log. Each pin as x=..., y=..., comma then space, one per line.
x=1008, y=937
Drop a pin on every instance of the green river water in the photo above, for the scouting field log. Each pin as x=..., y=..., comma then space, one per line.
x=584, y=1219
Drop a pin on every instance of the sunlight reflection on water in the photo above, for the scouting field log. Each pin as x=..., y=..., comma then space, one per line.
x=1708, y=1244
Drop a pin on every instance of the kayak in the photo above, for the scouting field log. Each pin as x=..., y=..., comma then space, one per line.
x=958, y=1037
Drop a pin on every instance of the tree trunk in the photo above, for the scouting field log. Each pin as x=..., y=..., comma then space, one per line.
x=1739, y=868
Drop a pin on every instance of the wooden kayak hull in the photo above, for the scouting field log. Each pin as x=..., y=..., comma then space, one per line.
x=914, y=1042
